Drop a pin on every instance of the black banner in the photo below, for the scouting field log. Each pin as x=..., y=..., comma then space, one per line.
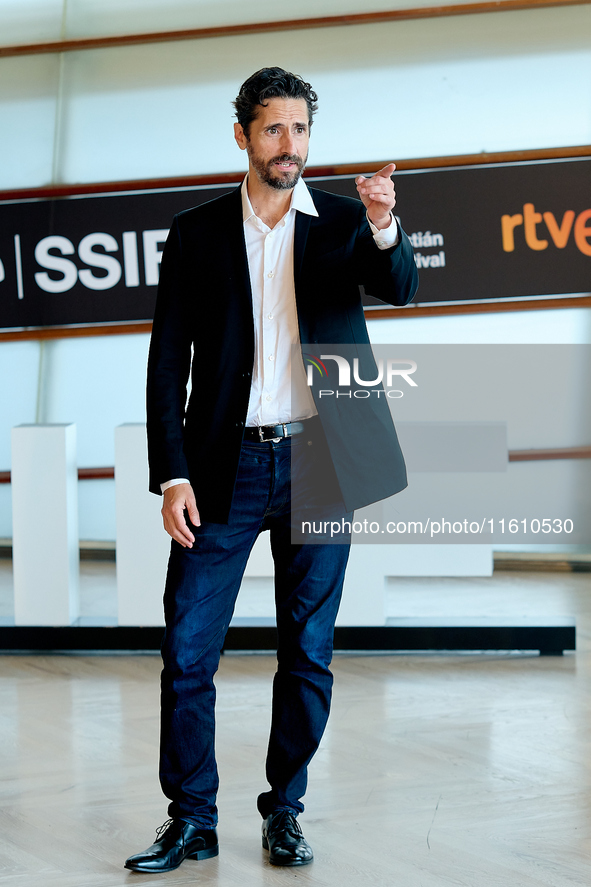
x=490, y=232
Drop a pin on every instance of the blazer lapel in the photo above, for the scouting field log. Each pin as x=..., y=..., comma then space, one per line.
x=238, y=246
x=302, y=226
x=235, y=244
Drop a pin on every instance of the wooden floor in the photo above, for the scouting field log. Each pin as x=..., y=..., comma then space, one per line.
x=435, y=770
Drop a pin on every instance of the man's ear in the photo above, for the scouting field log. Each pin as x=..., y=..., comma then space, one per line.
x=240, y=137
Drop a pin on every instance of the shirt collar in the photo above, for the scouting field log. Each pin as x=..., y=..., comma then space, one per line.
x=301, y=200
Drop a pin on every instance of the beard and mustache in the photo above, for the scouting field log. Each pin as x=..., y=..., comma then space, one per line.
x=266, y=170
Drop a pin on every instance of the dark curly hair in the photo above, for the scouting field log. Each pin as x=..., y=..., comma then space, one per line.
x=270, y=83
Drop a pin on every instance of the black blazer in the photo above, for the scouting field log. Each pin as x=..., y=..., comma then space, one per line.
x=203, y=326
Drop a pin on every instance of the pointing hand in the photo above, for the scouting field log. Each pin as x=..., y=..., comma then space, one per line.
x=378, y=195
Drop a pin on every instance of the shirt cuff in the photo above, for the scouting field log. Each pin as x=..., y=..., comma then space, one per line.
x=385, y=238
x=173, y=483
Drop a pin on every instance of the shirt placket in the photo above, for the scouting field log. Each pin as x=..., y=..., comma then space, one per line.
x=269, y=327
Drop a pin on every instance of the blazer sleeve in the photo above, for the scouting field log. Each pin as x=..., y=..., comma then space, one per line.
x=390, y=274
x=169, y=364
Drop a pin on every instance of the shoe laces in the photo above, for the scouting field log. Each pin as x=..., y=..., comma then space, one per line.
x=162, y=828
x=285, y=819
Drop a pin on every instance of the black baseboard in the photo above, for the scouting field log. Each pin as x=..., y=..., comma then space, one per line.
x=413, y=635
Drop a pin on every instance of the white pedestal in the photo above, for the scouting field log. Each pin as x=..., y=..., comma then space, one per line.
x=370, y=566
x=441, y=560
x=260, y=561
x=364, y=592
x=143, y=545
x=45, y=547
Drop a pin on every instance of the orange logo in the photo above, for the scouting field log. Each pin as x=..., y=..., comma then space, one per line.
x=559, y=233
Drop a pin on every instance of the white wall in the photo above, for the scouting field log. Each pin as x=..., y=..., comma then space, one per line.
x=96, y=382
x=568, y=326
x=99, y=383
x=464, y=84
x=408, y=89
x=28, y=21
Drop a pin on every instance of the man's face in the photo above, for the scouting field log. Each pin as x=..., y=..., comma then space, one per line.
x=277, y=144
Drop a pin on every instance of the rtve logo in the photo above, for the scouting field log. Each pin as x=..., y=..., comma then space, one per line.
x=559, y=232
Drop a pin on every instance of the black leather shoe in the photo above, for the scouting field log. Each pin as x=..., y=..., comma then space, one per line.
x=177, y=840
x=283, y=838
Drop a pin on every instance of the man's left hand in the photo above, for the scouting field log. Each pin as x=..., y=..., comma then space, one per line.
x=378, y=195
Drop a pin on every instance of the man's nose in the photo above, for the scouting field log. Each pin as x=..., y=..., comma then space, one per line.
x=288, y=144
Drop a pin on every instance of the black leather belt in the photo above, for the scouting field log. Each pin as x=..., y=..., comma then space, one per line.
x=264, y=433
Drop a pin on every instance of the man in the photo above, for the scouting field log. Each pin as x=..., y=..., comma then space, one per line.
x=244, y=278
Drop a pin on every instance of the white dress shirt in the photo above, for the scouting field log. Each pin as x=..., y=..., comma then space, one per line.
x=279, y=391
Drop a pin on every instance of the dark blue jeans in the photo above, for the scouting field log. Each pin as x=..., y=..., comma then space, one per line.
x=201, y=589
